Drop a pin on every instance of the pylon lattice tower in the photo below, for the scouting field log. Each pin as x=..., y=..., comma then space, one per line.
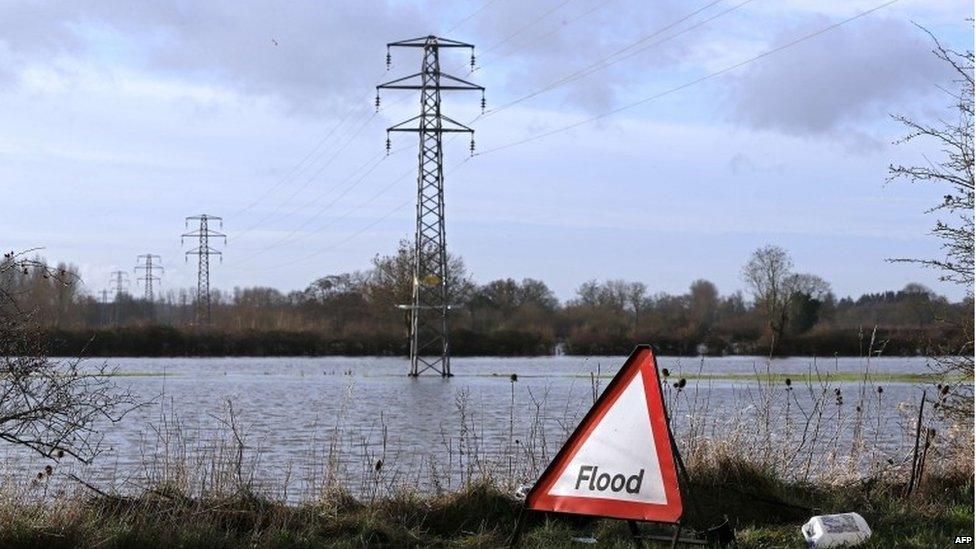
x=203, y=251
x=104, y=313
x=150, y=264
x=429, y=321
x=119, y=283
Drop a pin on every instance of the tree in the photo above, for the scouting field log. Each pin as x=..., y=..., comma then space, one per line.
x=615, y=294
x=776, y=288
x=636, y=297
x=390, y=282
x=536, y=292
x=767, y=273
x=954, y=227
x=53, y=407
x=703, y=305
x=587, y=295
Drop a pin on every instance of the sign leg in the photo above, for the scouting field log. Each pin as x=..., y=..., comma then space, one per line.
x=677, y=535
x=517, y=534
x=635, y=533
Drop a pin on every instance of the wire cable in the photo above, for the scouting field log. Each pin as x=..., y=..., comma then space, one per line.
x=521, y=29
x=607, y=61
x=369, y=226
x=558, y=28
x=289, y=237
x=297, y=168
x=310, y=179
x=688, y=84
x=467, y=18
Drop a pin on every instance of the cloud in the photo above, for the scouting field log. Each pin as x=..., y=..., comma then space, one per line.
x=576, y=38
x=850, y=74
x=309, y=55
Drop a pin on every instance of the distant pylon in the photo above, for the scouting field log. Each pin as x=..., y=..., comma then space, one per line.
x=203, y=251
x=429, y=323
x=150, y=264
x=119, y=283
x=103, y=309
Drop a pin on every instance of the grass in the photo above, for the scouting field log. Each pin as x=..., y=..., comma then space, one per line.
x=766, y=513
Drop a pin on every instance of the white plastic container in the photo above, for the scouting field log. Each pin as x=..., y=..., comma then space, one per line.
x=843, y=530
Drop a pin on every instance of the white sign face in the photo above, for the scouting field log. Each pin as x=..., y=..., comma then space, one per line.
x=618, y=459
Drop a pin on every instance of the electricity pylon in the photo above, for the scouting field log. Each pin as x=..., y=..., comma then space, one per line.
x=429, y=323
x=203, y=251
x=119, y=283
x=147, y=268
x=104, y=307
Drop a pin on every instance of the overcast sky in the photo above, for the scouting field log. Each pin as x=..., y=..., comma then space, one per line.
x=120, y=118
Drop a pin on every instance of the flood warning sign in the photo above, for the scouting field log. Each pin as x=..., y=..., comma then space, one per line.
x=618, y=462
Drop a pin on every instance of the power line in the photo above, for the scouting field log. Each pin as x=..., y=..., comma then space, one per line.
x=608, y=60
x=690, y=83
x=297, y=168
x=311, y=178
x=468, y=17
x=370, y=225
x=375, y=163
x=564, y=24
x=521, y=29
x=369, y=166
x=332, y=221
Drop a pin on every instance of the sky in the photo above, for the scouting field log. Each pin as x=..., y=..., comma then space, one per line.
x=651, y=141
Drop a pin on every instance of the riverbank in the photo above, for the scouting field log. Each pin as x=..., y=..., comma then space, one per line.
x=166, y=341
x=764, y=510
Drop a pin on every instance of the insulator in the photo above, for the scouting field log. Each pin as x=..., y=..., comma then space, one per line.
x=472, y=145
x=377, y=101
x=389, y=59
x=472, y=60
x=483, y=103
x=387, y=143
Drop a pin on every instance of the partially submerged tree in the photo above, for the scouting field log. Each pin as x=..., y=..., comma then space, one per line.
x=53, y=407
x=776, y=289
x=954, y=227
x=703, y=306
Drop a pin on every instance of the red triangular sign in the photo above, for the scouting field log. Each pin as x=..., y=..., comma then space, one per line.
x=618, y=462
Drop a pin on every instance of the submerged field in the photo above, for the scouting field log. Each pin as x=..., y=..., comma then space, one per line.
x=348, y=452
x=297, y=414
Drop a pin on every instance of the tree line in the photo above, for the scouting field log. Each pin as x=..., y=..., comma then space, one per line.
x=355, y=313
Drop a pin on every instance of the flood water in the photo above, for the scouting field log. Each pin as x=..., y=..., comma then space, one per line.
x=301, y=416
